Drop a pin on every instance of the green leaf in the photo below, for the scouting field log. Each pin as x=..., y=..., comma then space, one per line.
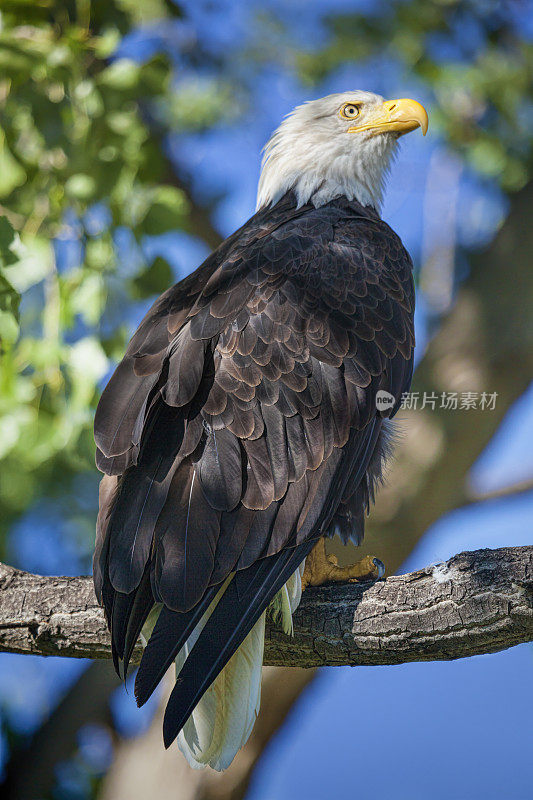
x=88, y=299
x=9, y=327
x=7, y=238
x=122, y=74
x=9, y=297
x=12, y=174
x=166, y=212
x=80, y=187
x=34, y=262
x=155, y=280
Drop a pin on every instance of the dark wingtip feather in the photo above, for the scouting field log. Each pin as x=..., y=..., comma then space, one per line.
x=119, y=620
x=138, y=700
x=142, y=606
x=170, y=633
x=116, y=665
x=169, y=730
x=116, y=660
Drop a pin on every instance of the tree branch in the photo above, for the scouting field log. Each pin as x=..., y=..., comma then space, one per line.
x=514, y=490
x=476, y=603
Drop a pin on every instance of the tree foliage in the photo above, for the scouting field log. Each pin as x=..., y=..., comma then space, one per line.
x=83, y=179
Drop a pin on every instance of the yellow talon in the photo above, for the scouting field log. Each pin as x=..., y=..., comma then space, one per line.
x=321, y=568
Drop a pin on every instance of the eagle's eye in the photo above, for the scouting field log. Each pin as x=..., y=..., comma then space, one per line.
x=349, y=111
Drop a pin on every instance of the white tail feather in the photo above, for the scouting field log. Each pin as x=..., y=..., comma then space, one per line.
x=223, y=720
x=287, y=601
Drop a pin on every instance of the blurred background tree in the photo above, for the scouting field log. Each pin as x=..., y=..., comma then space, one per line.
x=129, y=145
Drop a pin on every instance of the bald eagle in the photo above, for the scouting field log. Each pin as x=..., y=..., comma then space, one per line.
x=244, y=423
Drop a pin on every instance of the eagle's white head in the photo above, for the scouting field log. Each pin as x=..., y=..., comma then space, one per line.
x=339, y=145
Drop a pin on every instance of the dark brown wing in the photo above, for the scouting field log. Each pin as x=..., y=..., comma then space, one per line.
x=241, y=418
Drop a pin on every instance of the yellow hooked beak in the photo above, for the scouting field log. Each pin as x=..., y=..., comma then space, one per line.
x=398, y=116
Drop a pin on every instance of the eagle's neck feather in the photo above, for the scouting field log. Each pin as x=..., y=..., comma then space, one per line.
x=317, y=172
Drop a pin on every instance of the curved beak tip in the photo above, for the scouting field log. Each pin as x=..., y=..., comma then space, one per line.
x=420, y=115
x=408, y=115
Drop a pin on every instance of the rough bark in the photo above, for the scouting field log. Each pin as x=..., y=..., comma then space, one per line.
x=477, y=602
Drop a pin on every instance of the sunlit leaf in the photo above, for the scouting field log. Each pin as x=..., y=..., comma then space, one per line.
x=80, y=187
x=12, y=173
x=166, y=212
x=155, y=280
x=121, y=74
x=9, y=297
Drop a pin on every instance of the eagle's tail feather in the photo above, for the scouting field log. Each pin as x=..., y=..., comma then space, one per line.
x=224, y=717
x=247, y=596
x=223, y=720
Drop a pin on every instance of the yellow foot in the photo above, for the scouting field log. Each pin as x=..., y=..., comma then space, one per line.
x=321, y=568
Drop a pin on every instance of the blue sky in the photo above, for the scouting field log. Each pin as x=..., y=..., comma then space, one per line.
x=460, y=730
x=449, y=730
x=444, y=730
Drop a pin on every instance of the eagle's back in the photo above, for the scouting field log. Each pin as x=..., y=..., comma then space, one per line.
x=242, y=425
